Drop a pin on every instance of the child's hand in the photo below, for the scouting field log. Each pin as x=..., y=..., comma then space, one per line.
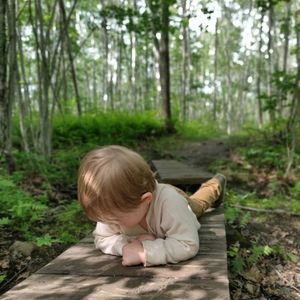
x=146, y=237
x=133, y=253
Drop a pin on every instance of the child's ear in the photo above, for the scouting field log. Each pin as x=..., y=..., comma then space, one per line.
x=147, y=197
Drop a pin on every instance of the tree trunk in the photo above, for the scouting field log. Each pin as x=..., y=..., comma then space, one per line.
x=229, y=92
x=44, y=138
x=70, y=55
x=119, y=68
x=5, y=105
x=286, y=48
x=258, y=79
x=12, y=66
x=164, y=65
x=215, y=71
x=286, y=36
x=270, y=60
x=22, y=115
x=162, y=49
x=64, y=81
x=94, y=84
x=133, y=64
x=291, y=127
x=25, y=108
x=105, y=99
x=146, y=86
x=185, y=89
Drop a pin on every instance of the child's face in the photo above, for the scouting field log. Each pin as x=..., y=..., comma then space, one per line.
x=134, y=217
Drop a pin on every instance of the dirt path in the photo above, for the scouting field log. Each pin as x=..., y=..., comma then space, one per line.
x=203, y=153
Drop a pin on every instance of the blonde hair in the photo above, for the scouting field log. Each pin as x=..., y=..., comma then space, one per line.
x=112, y=178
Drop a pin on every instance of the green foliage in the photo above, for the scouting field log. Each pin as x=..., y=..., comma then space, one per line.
x=242, y=258
x=257, y=252
x=5, y=221
x=101, y=129
x=295, y=190
x=32, y=217
x=72, y=224
x=234, y=215
x=231, y=215
x=18, y=208
x=281, y=251
x=73, y=137
x=285, y=82
x=266, y=156
x=45, y=240
x=293, y=205
x=237, y=262
x=2, y=277
x=199, y=129
x=26, y=215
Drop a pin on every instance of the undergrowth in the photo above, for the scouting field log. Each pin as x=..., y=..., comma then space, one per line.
x=38, y=201
x=255, y=173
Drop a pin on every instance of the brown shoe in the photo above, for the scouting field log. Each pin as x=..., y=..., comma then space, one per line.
x=222, y=182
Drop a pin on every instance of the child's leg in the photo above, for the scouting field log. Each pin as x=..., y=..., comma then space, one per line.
x=210, y=194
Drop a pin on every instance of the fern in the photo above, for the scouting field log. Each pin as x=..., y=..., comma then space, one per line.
x=237, y=264
x=45, y=240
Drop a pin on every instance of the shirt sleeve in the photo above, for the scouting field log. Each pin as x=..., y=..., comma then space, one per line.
x=109, y=239
x=181, y=231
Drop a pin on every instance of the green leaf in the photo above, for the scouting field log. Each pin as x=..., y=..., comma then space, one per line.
x=5, y=221
x=267, y=250
x=6, y=183
x=291, y=257
x=238, y=265
x=45, y=240
x=2, y=277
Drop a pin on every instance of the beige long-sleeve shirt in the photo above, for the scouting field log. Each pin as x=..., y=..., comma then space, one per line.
x=169, y=218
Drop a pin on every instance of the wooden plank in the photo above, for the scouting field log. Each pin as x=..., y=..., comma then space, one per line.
x=53, y=287
x=85, y=260
x=83, y=272
x=175, y=172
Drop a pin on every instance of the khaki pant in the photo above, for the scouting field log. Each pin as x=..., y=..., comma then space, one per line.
x=204, y=197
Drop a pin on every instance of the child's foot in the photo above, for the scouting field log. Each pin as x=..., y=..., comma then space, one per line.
x=222, y=182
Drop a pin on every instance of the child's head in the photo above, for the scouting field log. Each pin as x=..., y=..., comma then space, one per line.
x=113, y=178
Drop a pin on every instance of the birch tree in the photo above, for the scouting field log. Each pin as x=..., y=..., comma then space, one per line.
x=294, y=117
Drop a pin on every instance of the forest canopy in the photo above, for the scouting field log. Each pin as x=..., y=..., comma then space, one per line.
x=233, y=63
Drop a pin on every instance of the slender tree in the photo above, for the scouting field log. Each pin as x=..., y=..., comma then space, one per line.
x=160, y=13
x=186, y=58
x=66, y=38
x=294, y=117
x=214, y=112
x=259, y=70
x=44, y=78
x=106, y=68
x=5, y=82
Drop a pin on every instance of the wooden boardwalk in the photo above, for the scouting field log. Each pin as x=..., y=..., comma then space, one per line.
x=83, y=272
x=178, y=173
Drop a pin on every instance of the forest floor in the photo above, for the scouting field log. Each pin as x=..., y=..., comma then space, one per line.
x=269, y=275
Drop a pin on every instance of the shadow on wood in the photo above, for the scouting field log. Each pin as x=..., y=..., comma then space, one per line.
x=83, y=272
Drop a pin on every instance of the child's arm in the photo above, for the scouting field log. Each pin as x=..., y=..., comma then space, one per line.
x=109, y=239
x=133, y=252
x=180, y=228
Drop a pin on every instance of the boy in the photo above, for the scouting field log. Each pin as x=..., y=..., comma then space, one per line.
x=138, y=218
